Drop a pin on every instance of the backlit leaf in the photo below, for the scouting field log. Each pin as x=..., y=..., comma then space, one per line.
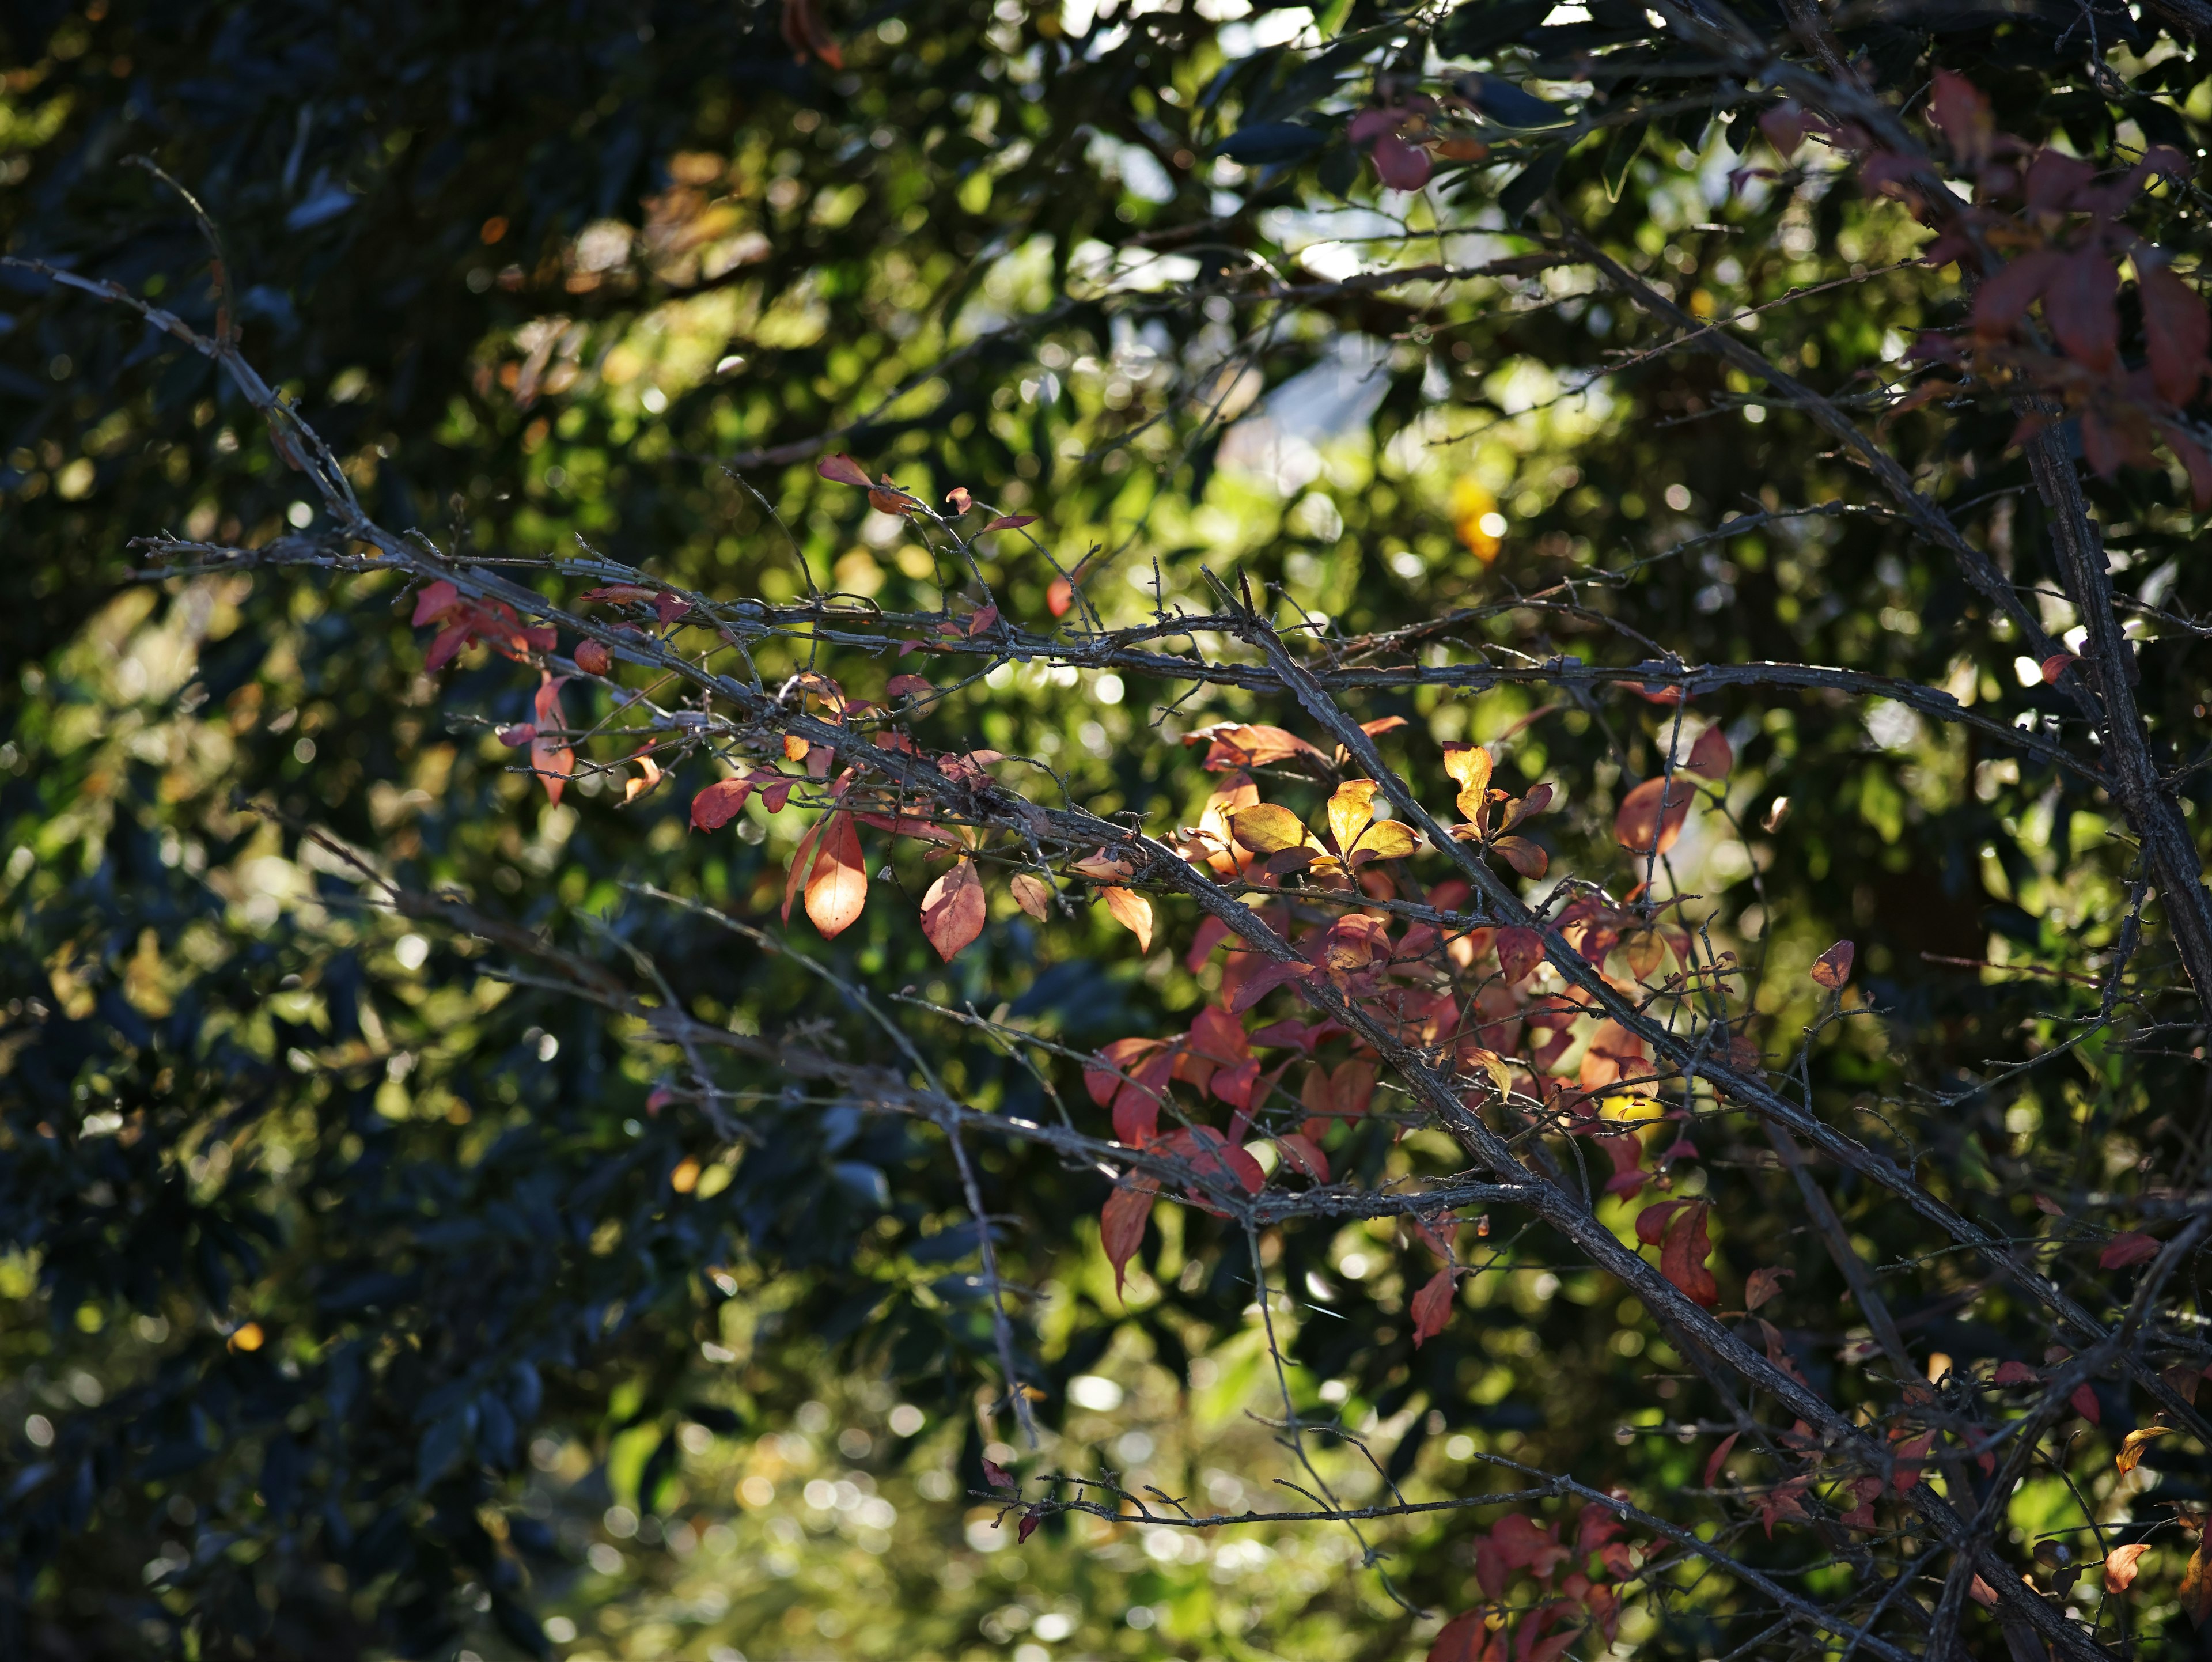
x=1134, y=912
x=719, y=803
x=1350, y=808
x=1651, y=815
x=1009, y=522
x=1268, y=828
x=1031, y=893
x=1432, y=1305
x=844, y=471
x=2132, y=1445
x=2121, y=1566
x=1833, y=967
x=1712, y=757
x=1059, y=596
x=2123, y=1250
x=953, y=911
x=837, y=887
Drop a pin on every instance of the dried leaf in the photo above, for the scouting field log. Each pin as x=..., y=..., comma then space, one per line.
x=1720, y=1458
x=719, y=803
x=1833, y=967
x=844, y=470
x=958, y=500
x=1032, y=894
x=1651, y=815
x=593, y=658
x=1101, y=866
x=1134, y=912
x=838, y=887
x=2121, y=1566
x=1711, y=756
x=953, y=911
x=2123, y=1250
x=1763, y=1286
x=1432, y=1306
x=2132, y=1445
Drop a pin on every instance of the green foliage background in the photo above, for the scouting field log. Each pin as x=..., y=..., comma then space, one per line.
x=539, y=271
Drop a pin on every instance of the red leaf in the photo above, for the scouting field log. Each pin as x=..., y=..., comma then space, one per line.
x=1653, y=812
x=2011, y=1373
x=844, y=471
x=553, y=761
x=1711, y=756
x=1059, y=596
x=1763, y=1286
x=2177, y=330
x=2121, y=1251
x=1463, y=1639
x=1009, y=522
x=1432, y=1306
x=998, y=1476
x=719, y=803
x=953, y=911
x=2083, y=306
x=437, y=600
x=1303, y=1154
x=1519, y=952
x=2085, y=1403
x=516, y=737
x=1121, y=1225
x=1720, y=1458
x=1959, y=108
x=593, y=658
x=2056, y=665
x=838, y=887
x=1683, y=1252
x=802, y=863
x=669, y=608
x=1833, y=967
x=2004, y=301
x=981, y=621
x=900, y=687
x=1026, y=1528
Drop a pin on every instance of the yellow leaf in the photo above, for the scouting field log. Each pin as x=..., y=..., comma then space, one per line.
x=1386, y=839
x=1349, y=811
x=2132, y=1445
x=1470, y=766
x=1268, y=828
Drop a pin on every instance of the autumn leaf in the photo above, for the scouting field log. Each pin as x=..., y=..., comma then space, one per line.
x=2196, y=1589
x=593, y=658
x=1432, y=1306
x=1678, y=1228
x=1059, y=596
x=2176, y=330
x=1720, y=1458
x=1712, y=757
x=806, y=35
x=903, y=687
x=1302, y=1155
x=1267, y=828
x=552, y=760
x=2056, y=665
x=1101, y=866
x=1519, y=952
x=1350, y=807
x=1470, y=768
x=669, y=608
x=719, y=803
x=1027, y=1527
x=958, y=500
x=838, y=887
x=1032, y=894
x=1651, y=815
x=2120, y=1566
x=1762, y=1285
x=437, y=601
x=1121, y=1225
x=1009, y=522
x=1833, y=967
x=985, y=619
x=1525, y=858
x=1465, y=1638
x=843, y=470
x=1132, y=912
x=2084, y=1400
x=2132, y=1445
x=997, y=1475
x=2014, y=1373
x=2083, y=306
x=2123, y=1250
x=953, y=911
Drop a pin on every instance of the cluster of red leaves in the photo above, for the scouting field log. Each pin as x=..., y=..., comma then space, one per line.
x=1586, y=1600
x=2044, y=228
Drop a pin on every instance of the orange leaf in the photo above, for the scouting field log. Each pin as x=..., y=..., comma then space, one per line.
x=2123, y=1250
x=2132, y=1445
x=1652, y=814
x=1720, y=1458
x=1121, y=1225
x=553, y=761
x=2197, y=1582
x=1711, y=756
x=1101, y=866
x=2056, y=665
x=593, y=658
x=2120, y=1566
x=1833, y=967
x=1032, y=894
x=1432, y=1306
x=1059, y=595
x=719, y=803
x=1132, y=912
x=953, y=911
x=1683, y=1252
x=1763, y=1285
x=1009, y=522
x=837, y=887
x=844, y=471
x=802, y=863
